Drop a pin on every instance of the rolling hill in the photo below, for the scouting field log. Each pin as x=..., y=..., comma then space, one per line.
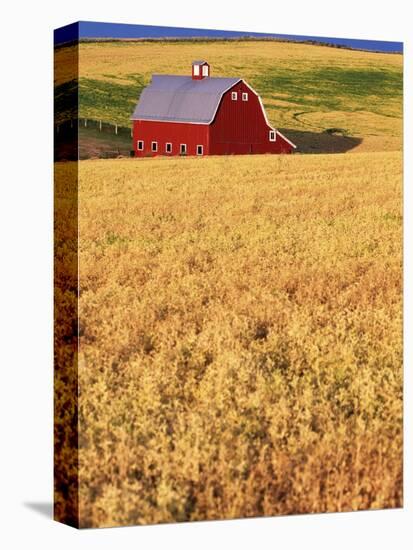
x=325, y=99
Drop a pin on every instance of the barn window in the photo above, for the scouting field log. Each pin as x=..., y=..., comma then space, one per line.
x=199, y=149
x=205, y=70
x=244, y=96
x=272, y=135
x=183, y=149
x=154, y=146
x=234, y=96
x=196, y=70
x=140, y=145
x=168, y=148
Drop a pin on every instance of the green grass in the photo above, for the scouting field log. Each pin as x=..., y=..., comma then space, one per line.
x=334, y=88
x=109, y=100
x=99, y=99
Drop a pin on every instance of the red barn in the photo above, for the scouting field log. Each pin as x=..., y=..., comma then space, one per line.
x=203, y=115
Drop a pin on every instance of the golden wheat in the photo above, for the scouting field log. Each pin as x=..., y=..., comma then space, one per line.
x=241, y=338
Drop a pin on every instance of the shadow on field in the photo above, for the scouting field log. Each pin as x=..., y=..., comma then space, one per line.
x=322, y=142
x=73, y=140
x=96, y=144
x=77, y=141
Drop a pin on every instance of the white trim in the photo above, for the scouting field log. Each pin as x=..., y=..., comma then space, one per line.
x=234, y=96
x=205, y=72
x=137, y=145
x=196, y=69
x=180, y=149
x=202, y=150
x=166, y=147
x=244, y=96
x=171, y=121
x=156, y=146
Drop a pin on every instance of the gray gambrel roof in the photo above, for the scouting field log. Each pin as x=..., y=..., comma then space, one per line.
x=182, y=99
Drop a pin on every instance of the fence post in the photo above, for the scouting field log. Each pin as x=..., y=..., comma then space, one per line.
x=85, y=122
x=100, y=125
x=131, y=132
x=71, y=122
x=116, y=129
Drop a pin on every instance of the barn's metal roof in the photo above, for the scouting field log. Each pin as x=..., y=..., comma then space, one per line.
x=182, y=99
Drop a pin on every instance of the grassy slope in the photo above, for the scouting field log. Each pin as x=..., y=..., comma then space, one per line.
x=306, y=89
x=240, y=343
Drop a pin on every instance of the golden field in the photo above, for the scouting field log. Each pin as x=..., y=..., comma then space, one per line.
x=240, y=335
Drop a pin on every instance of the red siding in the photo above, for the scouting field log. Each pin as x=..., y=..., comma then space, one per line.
x=240, y=126
x=169, y=132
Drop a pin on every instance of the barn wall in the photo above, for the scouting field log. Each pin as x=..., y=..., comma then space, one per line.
x=240, y=127
x=169, y=132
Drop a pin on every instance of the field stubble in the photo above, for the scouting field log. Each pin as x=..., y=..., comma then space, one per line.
x=241, y=337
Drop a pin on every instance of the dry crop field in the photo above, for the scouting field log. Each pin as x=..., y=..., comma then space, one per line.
x=240, y=337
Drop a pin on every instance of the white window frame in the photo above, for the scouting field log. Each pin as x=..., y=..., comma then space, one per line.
x=244, y=96
x=234, y=96
x=140, y=145
x=272, y=135
x=183, y=145
x=202, y=150
x=166, y=147
x=205, y=70
x=154, y=146
x=196, y=70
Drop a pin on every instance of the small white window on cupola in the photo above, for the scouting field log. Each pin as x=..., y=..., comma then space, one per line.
x=244, y=96
x=200, y=70
x=234, y=96
x=272, y=135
